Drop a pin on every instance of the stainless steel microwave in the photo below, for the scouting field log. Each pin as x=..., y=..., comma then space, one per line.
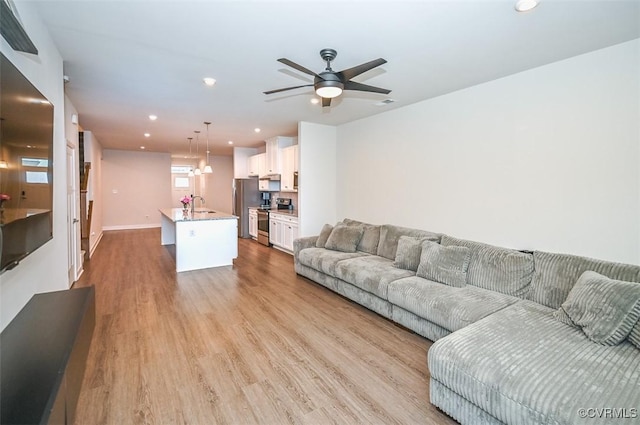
x=295, y=180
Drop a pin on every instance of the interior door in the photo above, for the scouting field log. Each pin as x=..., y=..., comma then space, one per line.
x=73, y=223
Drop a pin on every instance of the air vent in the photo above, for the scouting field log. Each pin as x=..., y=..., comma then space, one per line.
x=12, y=30
x=384, y=102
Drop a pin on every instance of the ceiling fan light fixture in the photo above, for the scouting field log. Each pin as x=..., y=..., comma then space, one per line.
x=329, y=89
x=526, y=5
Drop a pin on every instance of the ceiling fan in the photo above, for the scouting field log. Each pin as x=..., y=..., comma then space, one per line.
x=329, y=83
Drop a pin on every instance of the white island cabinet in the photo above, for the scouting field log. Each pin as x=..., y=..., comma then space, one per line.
x=203, y=239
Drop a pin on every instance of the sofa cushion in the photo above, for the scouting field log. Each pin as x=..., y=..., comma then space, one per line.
x=605, y=309
x=325, y=260
x=524, y=367
x=444, y=264
x=555, y=275
x=370, y=236
x=408, y=253
x=498, y=269
x=389, y=236
x=370, y=273
x=634, y=335
x=324, y=235
x=344, y=238
x=446, y=306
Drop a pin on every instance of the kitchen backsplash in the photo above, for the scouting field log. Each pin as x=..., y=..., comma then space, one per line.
x=292, y=195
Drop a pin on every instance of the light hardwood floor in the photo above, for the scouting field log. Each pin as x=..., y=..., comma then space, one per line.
x=252, y=343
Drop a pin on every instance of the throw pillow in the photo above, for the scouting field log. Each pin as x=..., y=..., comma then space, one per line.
x=605, y=309
x=370, y=237
x=324, y=235
x=344, y=238
x=408, y=253
x=444, y=264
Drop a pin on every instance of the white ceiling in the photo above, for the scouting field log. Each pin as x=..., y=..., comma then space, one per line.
x=129, y=59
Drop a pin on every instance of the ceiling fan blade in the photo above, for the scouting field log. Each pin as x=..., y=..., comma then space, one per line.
x=352, y=85
x=326, y=101
x=298, y=67
x=348, y=74
x=287, y=88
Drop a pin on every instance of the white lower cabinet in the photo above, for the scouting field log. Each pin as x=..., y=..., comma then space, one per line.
x=289, y=233
x=283, y=229
x=253, y=223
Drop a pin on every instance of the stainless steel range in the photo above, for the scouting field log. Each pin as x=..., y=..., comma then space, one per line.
x=263, y=226
x=263, y=219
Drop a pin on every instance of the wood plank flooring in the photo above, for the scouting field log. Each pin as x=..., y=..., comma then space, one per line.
x=248, y=344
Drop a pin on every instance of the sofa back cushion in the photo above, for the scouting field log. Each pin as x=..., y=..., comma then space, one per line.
x=370, y=236
x=390, y=235
x=555, y=275
x=498, y=269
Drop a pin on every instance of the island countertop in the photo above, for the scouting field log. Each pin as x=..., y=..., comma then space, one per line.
x=200, y=214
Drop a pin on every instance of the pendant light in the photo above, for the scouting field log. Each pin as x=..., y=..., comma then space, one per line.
x=190, y=157
x=207, y=168
x=197, y=171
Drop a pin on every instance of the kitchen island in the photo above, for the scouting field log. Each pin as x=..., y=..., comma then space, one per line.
x=203, y=239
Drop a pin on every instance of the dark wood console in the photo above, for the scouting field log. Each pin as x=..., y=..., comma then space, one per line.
x=43, y=355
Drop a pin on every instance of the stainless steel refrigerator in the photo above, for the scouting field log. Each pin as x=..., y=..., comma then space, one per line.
x=245, y=195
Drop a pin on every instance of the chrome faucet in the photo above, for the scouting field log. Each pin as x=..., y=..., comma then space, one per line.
x=193, y=203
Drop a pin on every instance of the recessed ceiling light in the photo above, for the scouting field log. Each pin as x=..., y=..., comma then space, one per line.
x=384, y=102
x=230, y=142
x=153, y=117
x=209, y=81
x=526, y=5
x=257, y=130
x=142, y=147
x=147, y=135
x=315, y=100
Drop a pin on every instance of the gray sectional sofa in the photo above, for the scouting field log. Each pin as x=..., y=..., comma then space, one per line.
x=521, y=337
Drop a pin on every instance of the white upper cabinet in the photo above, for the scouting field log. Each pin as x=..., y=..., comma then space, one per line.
x=289, y=166
x=256, y=165
x=273, y=158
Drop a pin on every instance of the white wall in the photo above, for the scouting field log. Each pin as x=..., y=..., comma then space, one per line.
x=93, y=154
x=218, y=185
x=45, y=269
x=134, y=187
x=317, y=179
x=545, y=159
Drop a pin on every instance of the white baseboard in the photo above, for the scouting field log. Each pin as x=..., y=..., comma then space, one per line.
x=95, y=245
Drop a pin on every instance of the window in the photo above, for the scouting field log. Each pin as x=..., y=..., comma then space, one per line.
x=180, y=178
x=33, y=174
x=180, y=169
x=37, y=177
x=181, y=182
x=35, y=162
